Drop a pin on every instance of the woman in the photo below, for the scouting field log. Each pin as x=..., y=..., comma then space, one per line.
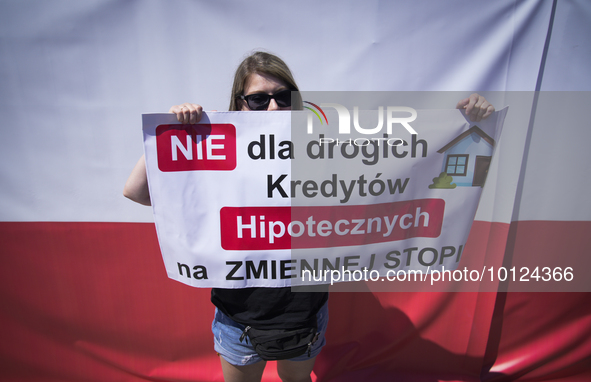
x=263, y=82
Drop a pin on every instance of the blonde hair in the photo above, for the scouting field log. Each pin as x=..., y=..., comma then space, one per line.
x=262, y=63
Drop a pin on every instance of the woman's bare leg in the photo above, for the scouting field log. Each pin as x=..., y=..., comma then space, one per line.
x=295, y=371
x=248, y=373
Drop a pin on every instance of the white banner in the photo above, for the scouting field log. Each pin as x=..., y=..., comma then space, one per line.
x=241, y=201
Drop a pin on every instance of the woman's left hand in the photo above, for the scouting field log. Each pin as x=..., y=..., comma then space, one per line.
x=477, y=107
x=187, y=113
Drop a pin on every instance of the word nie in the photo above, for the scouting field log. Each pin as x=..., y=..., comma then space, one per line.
x=196, y=147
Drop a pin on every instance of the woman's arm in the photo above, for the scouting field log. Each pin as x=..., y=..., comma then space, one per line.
x=136, y=187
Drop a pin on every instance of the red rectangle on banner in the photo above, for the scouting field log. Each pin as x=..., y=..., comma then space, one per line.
x=196, y=147
x=264, y=228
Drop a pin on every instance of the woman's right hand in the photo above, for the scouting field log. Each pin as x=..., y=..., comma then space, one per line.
x=187, y=113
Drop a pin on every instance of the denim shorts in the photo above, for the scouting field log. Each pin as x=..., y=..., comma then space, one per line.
x=226, y=337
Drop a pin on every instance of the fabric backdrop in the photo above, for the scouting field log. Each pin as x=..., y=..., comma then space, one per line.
x=83, y=289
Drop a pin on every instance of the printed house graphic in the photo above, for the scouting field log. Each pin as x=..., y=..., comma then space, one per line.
x=466, y=159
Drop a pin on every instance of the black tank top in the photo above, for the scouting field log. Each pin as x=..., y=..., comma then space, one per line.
x=269, y=308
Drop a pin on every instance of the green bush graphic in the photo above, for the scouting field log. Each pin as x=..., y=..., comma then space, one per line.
x=443, y=181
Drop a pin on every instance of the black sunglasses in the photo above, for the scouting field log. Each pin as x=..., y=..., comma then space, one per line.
x=260, y=101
